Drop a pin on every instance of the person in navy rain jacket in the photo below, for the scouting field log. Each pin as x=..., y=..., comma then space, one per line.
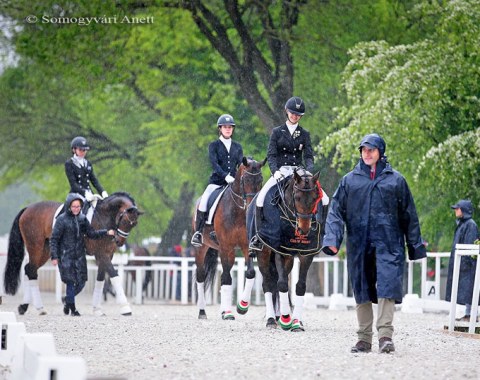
x=375, y=205
x=225, y=156
x=466, y=232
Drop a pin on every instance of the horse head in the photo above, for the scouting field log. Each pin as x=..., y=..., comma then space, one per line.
x=306, y=193
x=120, y=213
x=249, y=179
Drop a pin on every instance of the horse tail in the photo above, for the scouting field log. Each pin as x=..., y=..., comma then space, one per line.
x=210, y=263
x=16, y=252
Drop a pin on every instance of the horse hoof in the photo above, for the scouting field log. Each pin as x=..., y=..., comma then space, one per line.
x=202, y=314
x=297, y=326
x=22, y=308
x=228, y=316
x=42, y=311
x=127, y=314
x=271, y=323
x=242, y=307
x=126, y=310
x=285, y=322
x=98, y=312
x=0, y=300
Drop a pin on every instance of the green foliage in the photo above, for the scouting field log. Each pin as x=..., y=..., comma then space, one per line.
x=422, y=98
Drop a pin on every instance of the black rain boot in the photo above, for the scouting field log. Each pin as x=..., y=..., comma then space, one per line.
x=73, y=309
x=66, y=308
x=197, y=238
x=255, y=243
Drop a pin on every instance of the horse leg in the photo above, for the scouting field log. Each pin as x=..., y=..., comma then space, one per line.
x=226, y=290
x=121, y=299
x=244, y=303
x=269, y=285
x=98, y=293
x=282, y=283
x=300, y=290
x=32, y=291
x=201, y=275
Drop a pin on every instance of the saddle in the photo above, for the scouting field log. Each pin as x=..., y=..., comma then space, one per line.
x=213, y=201
x=278, y=230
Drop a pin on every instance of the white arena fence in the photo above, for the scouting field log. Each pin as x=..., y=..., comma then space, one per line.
x=172, y=281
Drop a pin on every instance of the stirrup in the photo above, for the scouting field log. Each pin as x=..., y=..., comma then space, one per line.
x=197, y=239
x=255, y=244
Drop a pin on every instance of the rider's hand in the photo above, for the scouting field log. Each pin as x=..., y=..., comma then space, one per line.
x=229, y=178
x=104, y=194
x=111, y=232
x=89, y=197
x=278, y=175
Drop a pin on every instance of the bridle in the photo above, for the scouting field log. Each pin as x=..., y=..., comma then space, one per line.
x=284, y=207
x=243, y=196
x=121, y=216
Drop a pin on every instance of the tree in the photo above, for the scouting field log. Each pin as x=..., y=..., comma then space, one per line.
x=423, y=98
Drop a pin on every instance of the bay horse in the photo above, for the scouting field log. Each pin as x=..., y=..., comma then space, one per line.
x=229, y=226
x=32, y=229
x=298, y=207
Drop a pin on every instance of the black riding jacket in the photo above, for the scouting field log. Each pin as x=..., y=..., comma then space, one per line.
x=287, y=150
x=80, y=177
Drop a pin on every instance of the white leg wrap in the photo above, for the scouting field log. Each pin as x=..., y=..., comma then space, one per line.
x=247, y=291
x=284, y=304
x=117, y=285
x=226, y=297
x=201, y=295
x=97, y=294
x=35, y=291
x=27, y=294
x=270, y=310
x=298, y=307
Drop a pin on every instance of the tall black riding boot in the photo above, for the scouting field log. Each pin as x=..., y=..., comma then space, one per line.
x=255, y=243
x=197, y=238
x=73, y=309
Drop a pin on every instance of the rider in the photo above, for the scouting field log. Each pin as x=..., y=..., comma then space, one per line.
x=80, y=172
x=225, y=156
x=289, y=147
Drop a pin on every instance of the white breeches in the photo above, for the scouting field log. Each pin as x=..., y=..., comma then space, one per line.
x=206, y=194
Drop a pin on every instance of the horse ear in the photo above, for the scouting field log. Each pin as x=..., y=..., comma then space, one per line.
x=296, y=176
x=315, y=177
x=245, y=161
x=264, y=162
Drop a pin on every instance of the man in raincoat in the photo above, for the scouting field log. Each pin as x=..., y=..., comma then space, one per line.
x=375, y=206
x=465, y=233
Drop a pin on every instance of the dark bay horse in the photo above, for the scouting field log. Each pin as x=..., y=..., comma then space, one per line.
x=229, y=225
x=298, y=206
x=32, y=229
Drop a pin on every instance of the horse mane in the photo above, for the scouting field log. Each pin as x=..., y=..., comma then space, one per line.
x=123, y=194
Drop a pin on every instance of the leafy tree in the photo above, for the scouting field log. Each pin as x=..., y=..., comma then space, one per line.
x=423, y=98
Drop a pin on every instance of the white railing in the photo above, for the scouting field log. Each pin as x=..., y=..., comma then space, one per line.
x=166, y=271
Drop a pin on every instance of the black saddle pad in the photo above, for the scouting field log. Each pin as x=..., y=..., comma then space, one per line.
x=213, y=197
x=278, y=232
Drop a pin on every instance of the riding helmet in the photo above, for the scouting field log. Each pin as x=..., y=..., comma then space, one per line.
x=373, y=141
x=79, y=142
x=225, y=119
x=295, y=105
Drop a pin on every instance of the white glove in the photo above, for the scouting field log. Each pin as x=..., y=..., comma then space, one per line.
x=104, y=194
x=89, y=197
x=278, y=175
x=229, y=178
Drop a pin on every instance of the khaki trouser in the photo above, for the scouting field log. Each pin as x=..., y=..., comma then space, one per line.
x=386, y=307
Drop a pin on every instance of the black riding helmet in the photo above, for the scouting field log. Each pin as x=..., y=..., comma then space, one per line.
x=373, y=141
x=79, y=142
x=295, y=105
x=225, y=119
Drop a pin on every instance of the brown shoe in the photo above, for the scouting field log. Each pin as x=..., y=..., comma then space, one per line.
x=362, y=346
x=385, y=345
